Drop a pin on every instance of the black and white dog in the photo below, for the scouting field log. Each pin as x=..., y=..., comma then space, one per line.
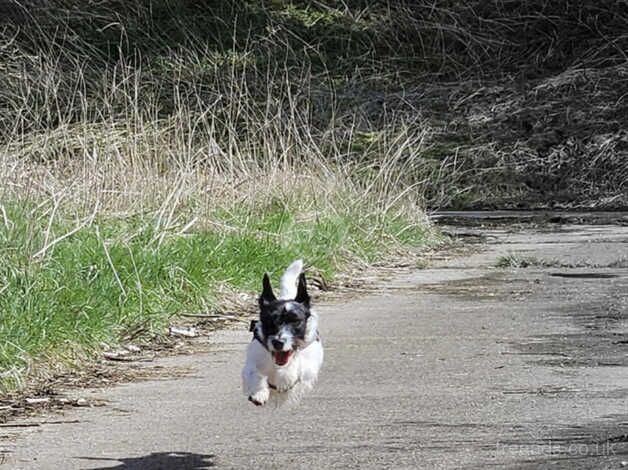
x=286, y=353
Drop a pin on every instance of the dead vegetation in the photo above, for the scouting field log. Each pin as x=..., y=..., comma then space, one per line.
x=530, y=106
x=496, y=103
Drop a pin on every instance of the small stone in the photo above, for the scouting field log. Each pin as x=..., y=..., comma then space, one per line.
x=81, y=402
x=183, y=331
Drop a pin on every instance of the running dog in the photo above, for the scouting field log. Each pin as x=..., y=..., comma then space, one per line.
x=286, y=352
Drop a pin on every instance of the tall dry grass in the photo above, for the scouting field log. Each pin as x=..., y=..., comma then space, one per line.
x=461, y=92
x=142, y=180
x=191, y=131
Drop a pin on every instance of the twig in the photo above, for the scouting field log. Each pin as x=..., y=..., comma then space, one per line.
x=120, y=357
x=87, y=222
x=210, y=316
x=111, y=265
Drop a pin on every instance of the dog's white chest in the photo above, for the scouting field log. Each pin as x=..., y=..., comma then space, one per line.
x=285, y=378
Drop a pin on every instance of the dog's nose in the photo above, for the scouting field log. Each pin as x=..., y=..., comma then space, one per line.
x=278, y=345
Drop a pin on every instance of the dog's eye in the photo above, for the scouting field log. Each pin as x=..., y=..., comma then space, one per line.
x=291, y=318
x=269, y=326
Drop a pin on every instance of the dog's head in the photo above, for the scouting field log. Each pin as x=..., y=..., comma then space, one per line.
x=284, y=323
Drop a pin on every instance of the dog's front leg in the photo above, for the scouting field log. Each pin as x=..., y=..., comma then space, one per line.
x=255, y=386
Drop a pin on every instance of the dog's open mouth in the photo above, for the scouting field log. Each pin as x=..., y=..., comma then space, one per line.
x=282, y=357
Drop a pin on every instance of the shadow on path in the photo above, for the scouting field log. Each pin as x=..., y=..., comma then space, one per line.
x=160, y=461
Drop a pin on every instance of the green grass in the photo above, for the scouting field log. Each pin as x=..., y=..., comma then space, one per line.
x=116, y=278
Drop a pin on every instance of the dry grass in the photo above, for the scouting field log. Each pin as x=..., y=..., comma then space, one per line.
x=139, y=188
x=486, y=104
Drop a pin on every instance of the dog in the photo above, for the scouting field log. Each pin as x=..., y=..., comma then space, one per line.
x=286, y=352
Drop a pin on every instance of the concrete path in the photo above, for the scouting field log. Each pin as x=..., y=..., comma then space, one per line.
x=461, y=365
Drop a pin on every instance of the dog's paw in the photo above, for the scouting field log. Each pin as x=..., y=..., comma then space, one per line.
x=260, y=398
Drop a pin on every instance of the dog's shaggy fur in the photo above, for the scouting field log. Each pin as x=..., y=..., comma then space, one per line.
x=286, y=353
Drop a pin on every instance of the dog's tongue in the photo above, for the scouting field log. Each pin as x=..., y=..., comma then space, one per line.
x=282, y=357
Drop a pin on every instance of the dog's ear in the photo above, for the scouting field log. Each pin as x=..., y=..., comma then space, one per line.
x=302, y=295
x=267, y=292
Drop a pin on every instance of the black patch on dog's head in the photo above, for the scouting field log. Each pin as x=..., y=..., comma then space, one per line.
x=267, y=293
x=277, y=313
x=302, y=295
